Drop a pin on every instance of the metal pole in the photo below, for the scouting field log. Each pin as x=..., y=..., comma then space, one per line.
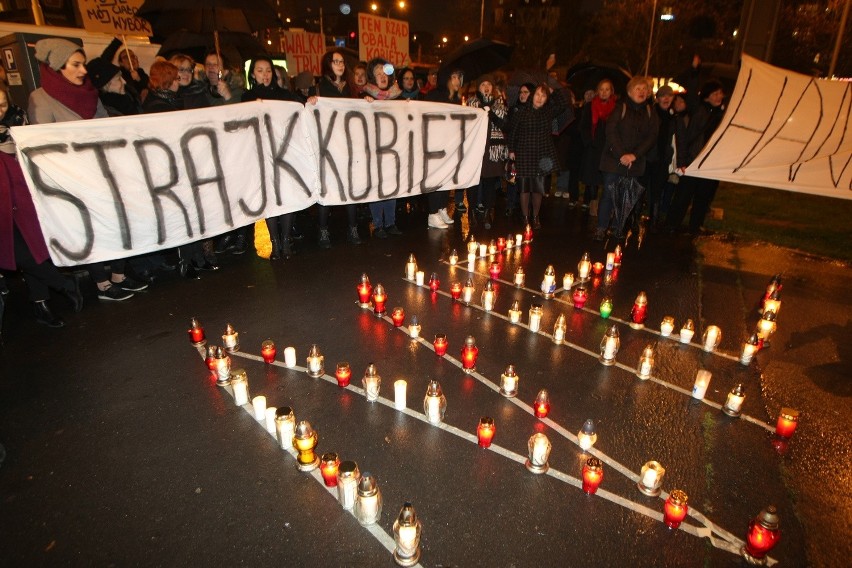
x=482, y=18
x=650, y=39
x=839, y=40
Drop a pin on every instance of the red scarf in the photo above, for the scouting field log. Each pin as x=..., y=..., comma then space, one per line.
x=82, y=99
x=601, y=111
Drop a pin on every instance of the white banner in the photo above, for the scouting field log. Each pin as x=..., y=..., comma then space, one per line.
x=783, y=130
x=119, y=187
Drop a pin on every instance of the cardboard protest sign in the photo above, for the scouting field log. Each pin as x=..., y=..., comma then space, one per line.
x=304, y=51
x=383, y=37
x=115, y=17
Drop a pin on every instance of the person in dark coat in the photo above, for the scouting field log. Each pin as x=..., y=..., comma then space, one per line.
x=117, y=99
x=525, y=92
x=531, y=146
x=22, y=243
x=593, y=133
x=659, y=159
x=450, y=94
x=408, y=84
x=133, y=75
x=631, y=133
x=690, y=139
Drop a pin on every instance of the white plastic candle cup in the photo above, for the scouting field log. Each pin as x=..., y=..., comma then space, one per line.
x=259, y=404
x=399, y=390
x=270, y=419
x=419, y=276
x=290, y=357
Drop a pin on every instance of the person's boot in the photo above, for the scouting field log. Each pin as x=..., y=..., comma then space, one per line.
x=324, y=239
x=74, y=296
x=276, y=246
x=240, y=244
x=44, y=316
x=287, y=249
x=536, y=223
x=353, y=236
x=187, y=270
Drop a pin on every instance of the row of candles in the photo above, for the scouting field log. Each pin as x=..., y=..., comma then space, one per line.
x=361, y=495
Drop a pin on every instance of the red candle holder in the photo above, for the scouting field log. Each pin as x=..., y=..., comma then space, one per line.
x=541, y=406
x=379, y=299
x=639, y=311
x=469, y=353
x=501, y=244
x=398, y=316
x=485, y=431
x=434, y=283
x=440, y=344
x=763, y=535
x=788, y=420
x=592, y=475
x=617, y=255
x=494, y=270
x=597, y=268
x=196, y=332
x=211, y=357
x=365, y=291
x=528, y=234
x=343, y=374
x=329, y=464
x=675, y=509
x=455, y=290
x=268, y=351
x=580, y=295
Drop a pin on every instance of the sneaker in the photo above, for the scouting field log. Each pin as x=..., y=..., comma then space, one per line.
x=566, y=195
x=324, y=239
x=240, y=245
x=380, y=233
x=435, y=221
x=584, y=206
x=352, y=237
x=557, y=194
x=114, y=294
x=571, y=204
x=393, y=230
x=445, y=217
x=130, y=285
x=225, y=244
x=460, y=207
x=480, y=208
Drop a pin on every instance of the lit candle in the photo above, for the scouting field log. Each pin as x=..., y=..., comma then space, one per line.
x=348, y=477
x=400, y=388
x=472, y=245
x=587, y=436
x=454, y=258
x=639, y=311
x=316, y=362
x=788, y=420
x=434, y=282
x=734, y=402
x=379, y=299
x=510, y=241
x=597, y=268
x=509, y=382
x=712, y=337
x=258, y=403
x=592, y=475
x=455, y=290
x=483, y=249
x=584, y=267
x=410, y=267
x=580, y=296
x=646, y=363
x=270, y=419
x=469, y=354
x=667, y=326
x=231, y=339
x=541, y=406
x=520, y=277
x=606, y=307
x=414, y=328
x=610, y=260
x=548, y=284
x=434, y=403
x=365, y=291
x=372, y=383
x=515, y=312
x=675, y=509
x=196, y=332
x=772, y=303
x=489, y=296
x=397, y=316
x=750, y=347
x=419, y=277
x=702, y=381
x=368, y=505
x=687, y=331
x=560, y=328
x=268, y=351
x=211, y=357
x=290, y=357
x=239, y=382
x=501, y=244
x=528, y=234
x=519, y=239
x=651, y=478
x=492, y=247
x=568, y=280
x=305, y=441
x=609, y=346
x=616, y=256
x=223, y=367
x=485, y=432
x=440, y=344
x=329, y=463
x=406, y=536
x=535, y=317
x=763, y=535
x=539, y=451
x=494, y=270
x=343, y=374
x=471, y=260
x=285, y=426
x=766, y=326
x=467, y=292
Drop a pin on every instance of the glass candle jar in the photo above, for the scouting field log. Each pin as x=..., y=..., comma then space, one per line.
x=485, y=431
x=651, y=478
x=231, y=339
x=329, y=464
x=365, y=292
x=536, y=313
x=368, y=505
x=592, y=475
x=196, y=333
x=268, y=351
x=372, y=383
x=348, y=477
x=440, y=344
x=406, y=537
x=675, y=509
x=434, y=403
x=316, y=362
x=538, y=447
x=509, y=382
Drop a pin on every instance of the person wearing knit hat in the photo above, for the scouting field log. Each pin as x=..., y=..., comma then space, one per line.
x=101, y=71
x=664, y=91
x=55, y=52
x=487, y=78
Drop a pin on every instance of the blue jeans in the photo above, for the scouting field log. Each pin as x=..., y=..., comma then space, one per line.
x=384, y=213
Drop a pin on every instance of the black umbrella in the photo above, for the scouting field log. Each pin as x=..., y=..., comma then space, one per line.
x=626, y=194
x=586, y=76
x=208, y=16
x=234, y=46
x=475, y=58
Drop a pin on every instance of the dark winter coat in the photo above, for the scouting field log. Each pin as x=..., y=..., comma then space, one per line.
x=193, y=95
x=327, y=88
x=531, y=138
x=692, y=135
x=630, y=129
x=161, y=100
x=496, y=148
x=271, y=93
x=593, y=147
x=17, y=209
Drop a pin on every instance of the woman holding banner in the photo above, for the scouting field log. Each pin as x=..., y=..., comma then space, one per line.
x=437, y=201
x=67, y=94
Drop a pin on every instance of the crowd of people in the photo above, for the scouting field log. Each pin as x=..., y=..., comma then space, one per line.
x=629, y=154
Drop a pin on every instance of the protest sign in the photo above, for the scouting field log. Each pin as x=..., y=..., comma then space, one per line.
x=383, y=37
x=304, y=51
x=118, y=187
x=115, y=17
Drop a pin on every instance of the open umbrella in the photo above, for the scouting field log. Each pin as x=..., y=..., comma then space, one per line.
x=475, y=58
x=235, y=46
x=586, y=76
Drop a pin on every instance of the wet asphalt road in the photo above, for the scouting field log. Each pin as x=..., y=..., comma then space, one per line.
x=121, y=450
